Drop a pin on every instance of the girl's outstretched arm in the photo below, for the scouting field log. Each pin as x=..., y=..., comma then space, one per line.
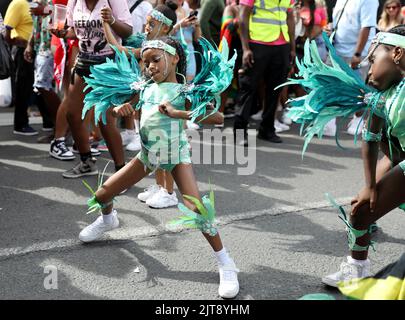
x=111, y=39
x=169, y=110
x=127, y=108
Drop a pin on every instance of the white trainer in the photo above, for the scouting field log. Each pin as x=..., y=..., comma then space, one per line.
x=228, y=280
x=355, y=123
x=127, y=136
x=98, y=228
x=162, y=199
x=148, y=192
x=330, y=128
x=348, y=271
x=135, y=143
x=258, y=116
x=286, y=119
x=280, y=127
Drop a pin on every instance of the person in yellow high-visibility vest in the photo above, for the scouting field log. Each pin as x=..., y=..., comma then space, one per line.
x=266, y=29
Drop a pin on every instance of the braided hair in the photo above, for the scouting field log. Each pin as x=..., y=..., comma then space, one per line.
x=182, y=64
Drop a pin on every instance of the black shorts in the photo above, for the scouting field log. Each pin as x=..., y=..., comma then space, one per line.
x=84, y=62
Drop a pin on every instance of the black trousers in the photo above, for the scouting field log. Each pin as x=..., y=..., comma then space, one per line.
x=24, y=79
x=271, y=65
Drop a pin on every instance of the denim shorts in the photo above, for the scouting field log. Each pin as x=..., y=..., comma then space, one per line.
x=43, y=73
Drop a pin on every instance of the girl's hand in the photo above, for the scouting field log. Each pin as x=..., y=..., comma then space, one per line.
x=59, y=33
x=366, y=195
x=123, y=110
x=167, y=109
x=188, y=21
x=106, y=15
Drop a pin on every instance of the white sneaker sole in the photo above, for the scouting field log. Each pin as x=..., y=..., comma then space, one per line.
x=162, y=207
x=25, y=133
x=329, y=282
x=61, y=158
x=229, y=295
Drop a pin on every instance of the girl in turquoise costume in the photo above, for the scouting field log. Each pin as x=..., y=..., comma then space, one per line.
x=166, y=102
x=384, y=130
x=159, y=22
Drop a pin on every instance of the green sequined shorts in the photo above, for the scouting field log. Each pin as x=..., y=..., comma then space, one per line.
x=150, y=161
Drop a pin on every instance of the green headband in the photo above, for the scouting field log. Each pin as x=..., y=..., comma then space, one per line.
x=391, y=39
x=161, y=17
x=158, y=44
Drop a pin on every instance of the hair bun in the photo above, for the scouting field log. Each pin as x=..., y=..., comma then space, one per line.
x=171, y=4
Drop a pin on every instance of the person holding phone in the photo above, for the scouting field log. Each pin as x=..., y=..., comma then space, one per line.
x=190, y=26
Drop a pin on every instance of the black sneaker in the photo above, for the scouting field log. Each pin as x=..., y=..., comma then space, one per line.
x=59, y=151
x=271, y=137
x=229, y=112
x=87, y=168
x=26, y=131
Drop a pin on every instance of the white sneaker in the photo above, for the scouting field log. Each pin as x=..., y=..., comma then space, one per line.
x=127, y=136
x=192, y=126
x=348, y=271
x=135, y=143
x=330, y=128
x=148, y=192
x=280, y=127
x=162, y=199
x=353, y=124
x=228, y=280
x=286, y=119
x=258, y=116
x=98, y=227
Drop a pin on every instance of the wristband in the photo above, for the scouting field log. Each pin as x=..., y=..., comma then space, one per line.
x=370, y=136
x=357, y=54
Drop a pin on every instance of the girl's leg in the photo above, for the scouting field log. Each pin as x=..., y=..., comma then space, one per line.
x=160, y=177
x=390, y=194
x=228, y=283
x=133, y=172
x=74, y=101
x=113, y=140
x=168, y=181
x=184, y=176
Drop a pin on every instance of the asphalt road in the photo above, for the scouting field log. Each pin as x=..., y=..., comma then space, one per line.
x=277, y=225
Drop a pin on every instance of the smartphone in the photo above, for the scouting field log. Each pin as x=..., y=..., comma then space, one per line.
x=193, y=14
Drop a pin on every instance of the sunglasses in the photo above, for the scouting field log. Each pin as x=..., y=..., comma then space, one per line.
x=393, y=8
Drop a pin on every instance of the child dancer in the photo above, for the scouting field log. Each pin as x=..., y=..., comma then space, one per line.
x=385, y=179
x=159, y=23
x=164, y=100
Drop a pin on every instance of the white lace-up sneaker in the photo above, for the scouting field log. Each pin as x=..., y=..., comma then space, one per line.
x=286, y=119
x=98, y=228
x=280, y=127
x=228, y=280
x=353, y=124
x=135, y=143
x=330, y=128
x=162, y=199
x=258, y=116
x=148, y=192
x=127, y=136
x=348, y=271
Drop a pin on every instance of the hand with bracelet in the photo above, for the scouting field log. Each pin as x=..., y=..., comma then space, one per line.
x=107, y=16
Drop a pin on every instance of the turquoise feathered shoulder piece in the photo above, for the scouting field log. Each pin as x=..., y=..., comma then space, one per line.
x=112, y=83
x=135, y=40
x=203, y=221
x=214, y=77
x=333, y=91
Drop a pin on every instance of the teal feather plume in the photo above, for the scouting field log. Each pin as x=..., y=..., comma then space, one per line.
x=111, y=84
x=333, y=91
x=214, y=77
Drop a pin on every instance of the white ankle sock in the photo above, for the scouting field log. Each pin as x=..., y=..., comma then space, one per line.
x=222, y=256
x=108, y=218
x=358, y=262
